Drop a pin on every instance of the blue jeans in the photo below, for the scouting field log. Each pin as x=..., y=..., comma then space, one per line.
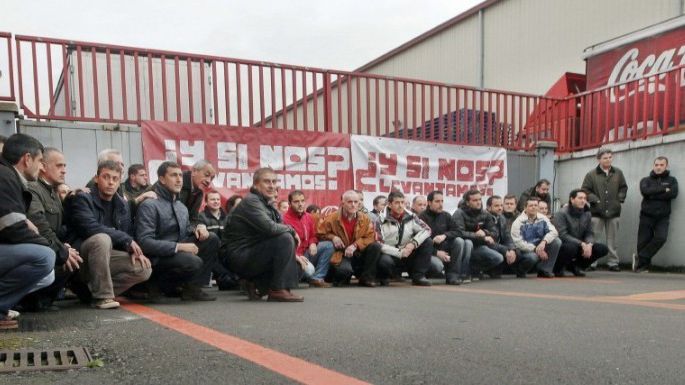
x=22, y=266
x=483, y=258
x=322, y=259
x=552, y=250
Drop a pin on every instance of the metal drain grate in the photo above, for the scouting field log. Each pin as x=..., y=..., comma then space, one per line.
x=34, y=359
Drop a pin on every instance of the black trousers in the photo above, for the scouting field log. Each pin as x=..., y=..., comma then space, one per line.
x=270, y=264
x=363, y=265
x=651, y=236
x=571, y=254
x=182, y=267
x=417, y=264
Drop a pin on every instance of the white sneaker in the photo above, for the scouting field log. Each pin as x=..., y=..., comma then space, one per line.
x=106, y=304
x=13, y=314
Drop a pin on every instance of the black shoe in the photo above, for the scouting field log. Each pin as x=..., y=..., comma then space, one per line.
x=614, y=268
x=545, y=274
x=195, y=293
x=560, y=274
x=453, y=281
x=384, y=282
x=642, y=268
x=495, y=274
x=591, y=268
x=577, y=271
x=421, y=282
x=520, y=275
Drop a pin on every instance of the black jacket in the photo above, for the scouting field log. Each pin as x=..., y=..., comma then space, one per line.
x=468, y=221
x=14, y=204
x=502, y=235
x=214, y=225
x=85, y=217
x=251, y=222
x=532, y=193
x=47, y=213
x=656, y=202
x=574, y=225
x=440, y=223
x=192, y=198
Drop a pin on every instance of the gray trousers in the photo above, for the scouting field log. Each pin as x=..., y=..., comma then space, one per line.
x=108, y=272
x=608, y=227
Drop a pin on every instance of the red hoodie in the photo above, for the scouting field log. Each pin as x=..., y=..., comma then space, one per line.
x=304, y=227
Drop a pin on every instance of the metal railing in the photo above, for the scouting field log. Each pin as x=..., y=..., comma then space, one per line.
x=6, y=68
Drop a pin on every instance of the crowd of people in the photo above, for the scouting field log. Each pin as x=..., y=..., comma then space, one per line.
x=117, y=237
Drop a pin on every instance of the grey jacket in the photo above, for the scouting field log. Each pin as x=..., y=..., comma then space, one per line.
x=574, y=225
x=162, y=223
x=607, y=192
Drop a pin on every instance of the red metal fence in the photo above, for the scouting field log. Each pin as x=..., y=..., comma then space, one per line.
x=93, y=82
x=6, y=68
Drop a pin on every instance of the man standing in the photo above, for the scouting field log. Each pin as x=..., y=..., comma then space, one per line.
x=536, y=237
x=179, y=256
x=658, y=189
x=477, y=225
x=447, y=246
x=519, y=263
x=540, y=191
x=405, y=238
x=607, y=189
x=99, y=225
x=309, y=249
x=578, y=247
x=137, y=181
x=257, y=246
x=25, y=258
x=352, y=234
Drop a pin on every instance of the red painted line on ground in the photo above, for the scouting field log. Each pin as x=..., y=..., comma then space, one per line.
x=281, y=363
x=657, y=296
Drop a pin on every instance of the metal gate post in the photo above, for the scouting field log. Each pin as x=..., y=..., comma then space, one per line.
x=327, y=113
x=544, y=164
x=8, y=115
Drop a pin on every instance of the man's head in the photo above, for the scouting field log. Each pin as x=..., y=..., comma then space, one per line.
x=577, y=198
x=266, y=182
x=54, y=166
x=495, y=205
x=605, y=157
x=297, y=201
x=108, y=179
x=473, y=199
x=532, y=206
x=111, y=154
x=435, y=201
x=62, y=191
x=25, y=153
x=660, y=165
x=419, y=204
x=313, y=209
x=543, y=208
x=232, y=202
x=542, y=187
x=170, y=175
x=379, y=203
x=361, y=199
x=137, y=175
x=350, y=202
x=396, y=203
x=202, y=175
x=509, y=203
x=213, y=200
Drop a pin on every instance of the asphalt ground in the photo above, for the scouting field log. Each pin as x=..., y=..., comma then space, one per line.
x=608, y=328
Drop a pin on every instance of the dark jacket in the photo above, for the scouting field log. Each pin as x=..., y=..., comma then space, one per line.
x=130, y=192
x=606, y=192
x=251, y=222
x=92, y=184
x=468, y=221
x=47, y=213
x=574, y=225
x=656, y=202
x=532, y=193
x=14, y=205
x=162, y=223
x=85, y=217
x=192, y=198
x=511, y=217
x=214, y=225
x=440, y=223
x=501, y=235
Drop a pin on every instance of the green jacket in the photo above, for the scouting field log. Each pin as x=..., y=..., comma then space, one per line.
x=606, y=192
x=46, y=212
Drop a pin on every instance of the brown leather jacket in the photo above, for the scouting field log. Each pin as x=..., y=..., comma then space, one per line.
x=331, y=227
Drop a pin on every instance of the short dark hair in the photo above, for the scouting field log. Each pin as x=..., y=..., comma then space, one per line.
x=294, y=193
x=661, y=158
x=18, y=145
x=467, y=195
x=230, y=202
x=211, y=192
x=510, y=196
x=431, y=195
x=134, y=168
x=574, y=193
x=257, y=176
x=312, y=209
x=109, y=165
x=162, y=169
x=488, y=203
x=603, y=151
x=543, y=181
x=395, y=194
x=378, y=199
x=532, y=199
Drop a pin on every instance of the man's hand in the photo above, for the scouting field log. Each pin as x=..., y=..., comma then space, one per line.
x=146, y=195
x=73, y=259
x=349, y=250
x=302, y=260
x=338, y=243
x=407, y=250
x=489, y=240
x=201, y=232
x=312, y=249
x=510, y=257
x=480, y=234
x=438, y=239
x=187, y=247
x=587, y=250
x=540, y=251
x=32, y=227
x=443, y=255
x=144, y=262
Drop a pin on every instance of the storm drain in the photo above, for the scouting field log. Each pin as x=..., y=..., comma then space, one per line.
x=35, y=359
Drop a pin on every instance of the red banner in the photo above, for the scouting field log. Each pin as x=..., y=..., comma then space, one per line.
x=318, y=164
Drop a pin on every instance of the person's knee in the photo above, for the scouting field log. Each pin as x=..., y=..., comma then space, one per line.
x=325, y=246
x=212, y=241
x=190, y=263
x=100, y=240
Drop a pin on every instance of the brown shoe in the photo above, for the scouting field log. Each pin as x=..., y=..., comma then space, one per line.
x=319, y=283
x=283, y=296
x=367, y=282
